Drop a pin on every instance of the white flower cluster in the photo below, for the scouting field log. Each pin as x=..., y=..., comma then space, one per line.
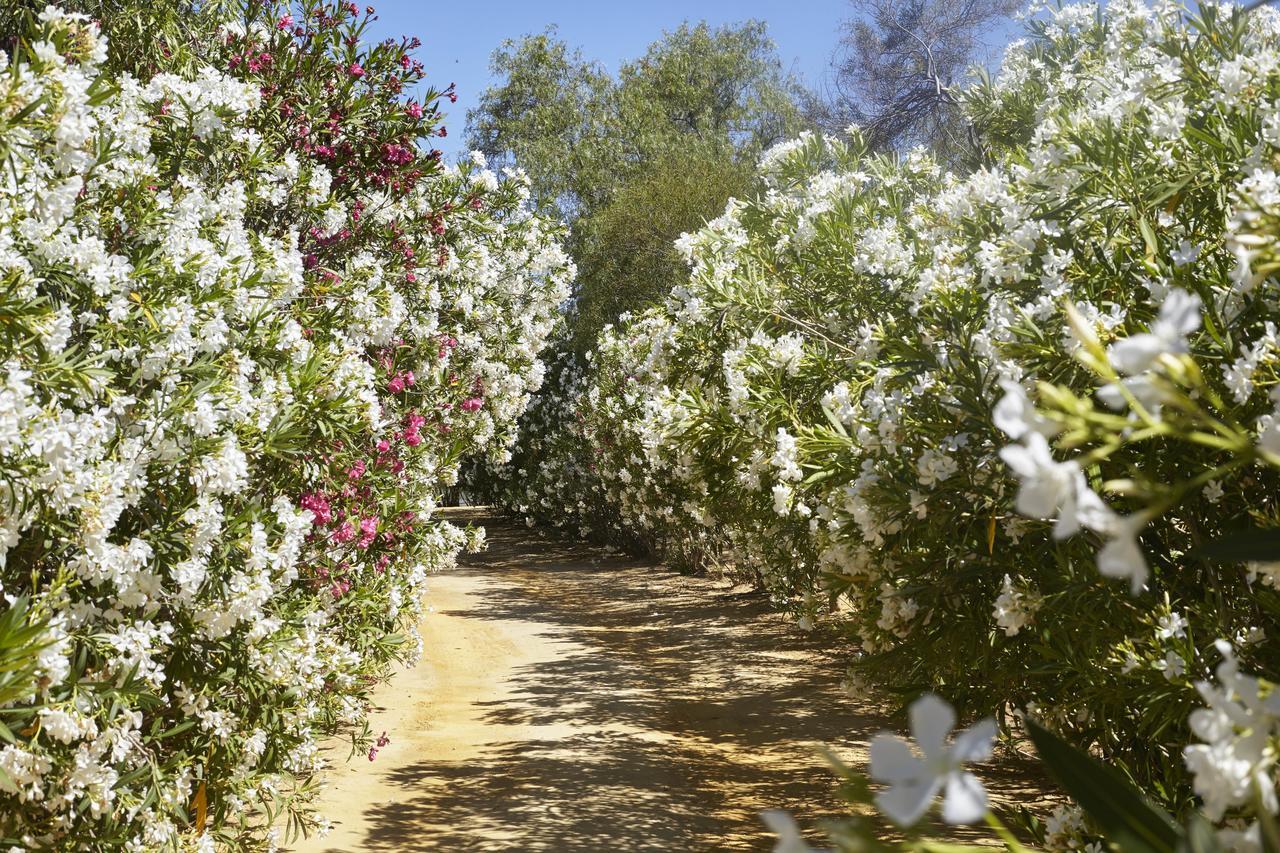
x=1235, y=766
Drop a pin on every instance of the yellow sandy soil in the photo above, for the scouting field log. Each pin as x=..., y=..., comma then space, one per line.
x=572, y=701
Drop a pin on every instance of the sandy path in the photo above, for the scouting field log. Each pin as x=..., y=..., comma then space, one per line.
x=571, y=701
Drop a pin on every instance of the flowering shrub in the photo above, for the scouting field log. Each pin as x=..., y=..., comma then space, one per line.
x=1240, y=719
x=250, y=330
x=993, y=423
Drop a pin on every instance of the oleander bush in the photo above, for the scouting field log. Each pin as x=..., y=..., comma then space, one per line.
x=250, y=328
x=1004, y=426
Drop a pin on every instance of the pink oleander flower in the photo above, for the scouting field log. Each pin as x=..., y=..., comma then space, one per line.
x=345, y=533
x=356, y=471
x=368, y=532
x=472, y=404
x=285, y=22
x=319, y=507
x=355, y=70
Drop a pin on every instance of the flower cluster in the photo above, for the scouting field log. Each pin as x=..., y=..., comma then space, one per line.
x=991, y=423
x=240, y=364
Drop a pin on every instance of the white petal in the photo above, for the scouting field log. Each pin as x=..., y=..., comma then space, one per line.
x=974, y=743
x=1039, y=498
x=1014, y=414
x=781, y=824
x=1111, y=397
x=892, y=759
x=1091, y=511
x=904, y=803
x=1136, y=353
x=1180, y=314
x=1020, y=460
x=1068, y=523
x=966, y=799
x=1122, y=558
x=1146, y=391
x=931, y=722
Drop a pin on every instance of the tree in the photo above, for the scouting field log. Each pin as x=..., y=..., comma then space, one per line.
x=632, y=162
x=551, y=115
x=626, y=251
x=725, y=83
x=897, y=64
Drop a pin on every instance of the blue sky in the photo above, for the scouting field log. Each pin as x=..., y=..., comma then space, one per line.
x=457, y=37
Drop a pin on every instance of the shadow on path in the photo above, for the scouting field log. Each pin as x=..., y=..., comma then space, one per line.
x=674, y=710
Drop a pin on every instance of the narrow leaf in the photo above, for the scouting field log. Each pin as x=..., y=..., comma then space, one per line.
x=1128, y=819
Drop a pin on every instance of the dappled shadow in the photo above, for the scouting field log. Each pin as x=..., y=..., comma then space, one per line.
x=679, y=709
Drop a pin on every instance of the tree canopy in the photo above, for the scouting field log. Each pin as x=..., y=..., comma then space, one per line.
x=632, y=160
x=895, y=69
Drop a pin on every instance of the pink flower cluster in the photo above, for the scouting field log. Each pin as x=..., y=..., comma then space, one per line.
x=319, y=506
x=413, y=429
x=400, y=381
x=382, y=741
x=399, y=155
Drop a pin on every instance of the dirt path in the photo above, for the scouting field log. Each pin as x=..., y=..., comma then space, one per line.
x=571, y=701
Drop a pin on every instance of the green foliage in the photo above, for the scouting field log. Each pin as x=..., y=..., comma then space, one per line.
x=250, y=327
x=21, y=639
x=626, y=251
x=722, y=84
x=554, y=115
x=634, y=161
x=143, y=36
x=1126, y=817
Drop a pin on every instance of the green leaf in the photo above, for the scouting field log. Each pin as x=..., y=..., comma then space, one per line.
x=1149, y=238
x=817, y=477
x=1200, y=837
x=1268, y=832
x=7, y=784
x=835, y=422
x=178, y=729
x=1126, y=817
x=1241, y=547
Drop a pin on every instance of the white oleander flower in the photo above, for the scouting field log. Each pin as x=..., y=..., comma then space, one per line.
x=916, y=777
x=1236, y=761
x=1179, y=317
